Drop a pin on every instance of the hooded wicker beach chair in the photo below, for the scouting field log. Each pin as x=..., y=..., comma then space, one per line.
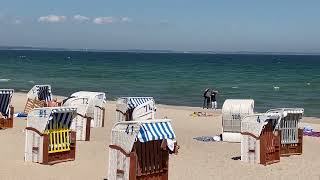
x=140, y=150
x=38, y=97
x=49, y=139
x=135, y=108
x=96, y=109
x=6, y=110
x=81, y=123
x=233, y=110
x=260, y=139
x=291, y=134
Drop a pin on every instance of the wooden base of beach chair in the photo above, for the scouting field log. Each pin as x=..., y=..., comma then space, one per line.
x=294, y=148
x=58, y=157
x=7, y=122
x=33, y=103
x=148, y=161
x=269, y=145
x=263, y=150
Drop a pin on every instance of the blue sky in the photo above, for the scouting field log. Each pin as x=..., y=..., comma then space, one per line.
x=218, y=25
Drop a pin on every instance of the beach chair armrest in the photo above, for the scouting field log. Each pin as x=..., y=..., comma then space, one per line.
x=11, y=111
x=115, y=147
x=34, y=130
x=102, y=108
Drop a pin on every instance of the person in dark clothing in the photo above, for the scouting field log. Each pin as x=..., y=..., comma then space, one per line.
x=207, y=98
x=214, y=99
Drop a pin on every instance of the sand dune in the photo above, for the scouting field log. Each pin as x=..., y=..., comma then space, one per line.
x=196, y=160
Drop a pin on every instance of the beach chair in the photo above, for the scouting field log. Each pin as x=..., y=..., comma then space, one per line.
x=291, y=134
x=135, y=108
x=81, y=123
x=260, y=140
x=49, y=139
x=6, y=110
x=38, y=97
x=233, y=110
x=96, y=109
x=140, y=150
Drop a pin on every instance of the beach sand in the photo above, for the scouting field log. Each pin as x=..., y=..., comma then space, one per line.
x=196, y=160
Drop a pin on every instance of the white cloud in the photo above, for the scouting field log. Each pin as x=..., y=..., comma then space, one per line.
x=104, y=20
x=126, y=19
x=52, y=18
x=17, y=21
x=80, y=18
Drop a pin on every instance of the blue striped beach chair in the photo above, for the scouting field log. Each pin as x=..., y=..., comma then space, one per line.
x=6, y=110
x=140, y=149
x=37, y=97
x=49, y=138
x=135, y=108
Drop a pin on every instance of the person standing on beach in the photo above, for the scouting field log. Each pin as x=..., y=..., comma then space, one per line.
x=207, y=98
x=214, y=99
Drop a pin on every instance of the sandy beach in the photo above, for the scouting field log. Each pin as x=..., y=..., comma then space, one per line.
x=196, y=160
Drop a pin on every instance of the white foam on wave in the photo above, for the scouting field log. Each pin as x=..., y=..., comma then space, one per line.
x=4, y=80
x=31, y=82
x=276, y=88
x=308, y=84
x=234, y=87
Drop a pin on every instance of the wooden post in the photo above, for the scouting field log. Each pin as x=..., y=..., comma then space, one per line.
x=45, y=153
x=88, y=126
x=103, y=114
x=133, y=166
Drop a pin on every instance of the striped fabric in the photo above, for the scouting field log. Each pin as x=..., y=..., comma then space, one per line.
x=133, y=102
x=5, y=99
x=61, y=118
x=44, y=93
x=155, y=131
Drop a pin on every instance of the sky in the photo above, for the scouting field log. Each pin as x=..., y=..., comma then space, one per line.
x=184, y=25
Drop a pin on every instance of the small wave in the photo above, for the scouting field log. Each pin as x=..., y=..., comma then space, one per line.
x=31, y=82
x=276, y=88
x=4, y=80
x=234, y=87
x=23, y=90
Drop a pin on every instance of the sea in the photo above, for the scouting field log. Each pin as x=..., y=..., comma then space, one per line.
x=273, y=81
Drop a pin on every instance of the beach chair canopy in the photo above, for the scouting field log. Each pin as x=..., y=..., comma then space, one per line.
x=254, y=124
x=49, y=118
x=233, y=110
x=96, y=98
x=5, y=100
x=290, y=118
x=42, y=92
x=126, y=103
x=81, y=103
x=124, y=134
x=286, y=111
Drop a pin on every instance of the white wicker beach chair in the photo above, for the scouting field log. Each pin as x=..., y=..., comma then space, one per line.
x=6, y=110
x=135, y=108
x=81, y=123
x=96, y=108
x=291, y=134
x=49, y=139
x=233, y=110
x=260, y=139
x=140, y=149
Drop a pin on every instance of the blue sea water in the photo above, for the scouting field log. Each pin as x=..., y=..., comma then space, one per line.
x=176, y=79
